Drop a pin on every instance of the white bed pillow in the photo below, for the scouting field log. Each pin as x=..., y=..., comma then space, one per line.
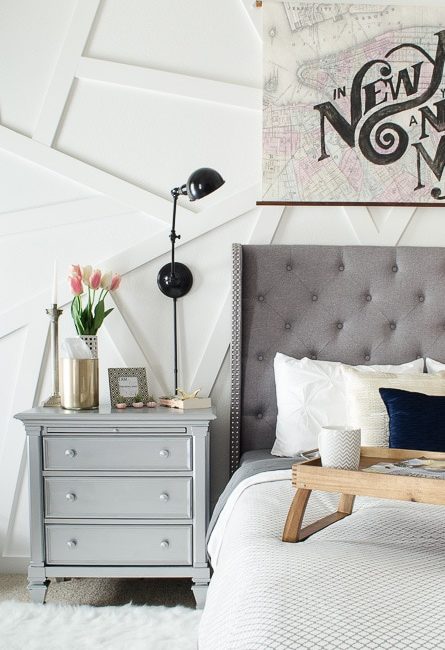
x=433, y=366
x=311, y=394
x=366, y=408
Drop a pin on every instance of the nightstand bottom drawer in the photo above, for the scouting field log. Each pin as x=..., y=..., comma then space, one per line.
x=118, y=545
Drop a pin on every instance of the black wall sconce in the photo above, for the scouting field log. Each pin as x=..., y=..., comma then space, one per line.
x=175, y=279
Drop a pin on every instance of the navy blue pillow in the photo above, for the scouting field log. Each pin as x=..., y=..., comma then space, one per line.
x=416, y=421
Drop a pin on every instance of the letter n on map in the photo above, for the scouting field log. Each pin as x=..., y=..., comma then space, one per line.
x=354, y=103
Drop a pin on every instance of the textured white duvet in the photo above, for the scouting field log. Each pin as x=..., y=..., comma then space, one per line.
x=374, y=580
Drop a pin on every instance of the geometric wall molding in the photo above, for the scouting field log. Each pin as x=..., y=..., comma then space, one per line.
x=169, y=83
x=367, y=232
x=88, y=175
x=62, y=78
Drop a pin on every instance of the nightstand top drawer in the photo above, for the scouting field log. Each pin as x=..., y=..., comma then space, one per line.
x=126, y=453
x=118, y=497
x=119, y=545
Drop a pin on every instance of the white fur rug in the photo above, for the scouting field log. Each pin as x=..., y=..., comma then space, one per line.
x=26, y=626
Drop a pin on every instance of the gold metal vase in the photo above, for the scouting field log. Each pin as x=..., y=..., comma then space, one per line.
x=79, y=379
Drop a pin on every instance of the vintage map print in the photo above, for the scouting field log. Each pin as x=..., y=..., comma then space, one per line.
x=354, y=103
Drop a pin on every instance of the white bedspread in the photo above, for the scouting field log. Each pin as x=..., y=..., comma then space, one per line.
x=373, y=580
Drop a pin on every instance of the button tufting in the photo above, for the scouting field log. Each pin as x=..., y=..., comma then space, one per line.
x=339, y=326
x=367, y=357
x=395, y=268
x=259, y=416
x=368, y=298
x=260, y=357
x=289, y=267
x=314, y=298
x=261, y=298
x=341, y=267
x=314, y=357
x=392, y=326
x=421, y=298
x=287, y=326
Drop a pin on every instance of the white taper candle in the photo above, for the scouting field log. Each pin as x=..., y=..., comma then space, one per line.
x=54, y=296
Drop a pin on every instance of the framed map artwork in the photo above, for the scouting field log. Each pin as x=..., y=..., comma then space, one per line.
x=354, y=103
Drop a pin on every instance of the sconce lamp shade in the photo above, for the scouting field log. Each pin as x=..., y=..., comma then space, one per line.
x=203, y=181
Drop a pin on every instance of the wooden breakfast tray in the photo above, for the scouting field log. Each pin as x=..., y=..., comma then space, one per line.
x=311, y=475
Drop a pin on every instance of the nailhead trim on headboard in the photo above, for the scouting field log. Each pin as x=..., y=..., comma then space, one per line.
x=235, y=412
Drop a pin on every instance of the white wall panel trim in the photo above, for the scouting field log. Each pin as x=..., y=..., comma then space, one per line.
x=366, y=230
x=59, y=215
x=85, y=174
x=169, y=83
x=254, y=15
x=28, y=380
x=59, y=88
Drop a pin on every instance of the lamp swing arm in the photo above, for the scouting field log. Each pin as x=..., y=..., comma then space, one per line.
x=176, y=193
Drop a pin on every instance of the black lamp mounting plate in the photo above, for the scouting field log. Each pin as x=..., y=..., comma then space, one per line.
x=177, y=286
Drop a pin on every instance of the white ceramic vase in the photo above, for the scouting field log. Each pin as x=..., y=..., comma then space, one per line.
x=340, y=447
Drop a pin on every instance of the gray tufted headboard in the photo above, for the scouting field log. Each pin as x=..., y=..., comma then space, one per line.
x=355, y=304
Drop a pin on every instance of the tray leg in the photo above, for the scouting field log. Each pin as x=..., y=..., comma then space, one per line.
x=346, y=503
x=292, y=528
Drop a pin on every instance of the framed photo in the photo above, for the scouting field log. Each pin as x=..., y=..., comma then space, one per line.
x=126, y=383
x=354, y=103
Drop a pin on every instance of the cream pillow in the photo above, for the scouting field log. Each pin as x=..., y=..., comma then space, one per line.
x=366, y=408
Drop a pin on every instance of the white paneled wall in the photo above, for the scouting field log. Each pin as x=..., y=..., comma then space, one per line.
x=104, y=107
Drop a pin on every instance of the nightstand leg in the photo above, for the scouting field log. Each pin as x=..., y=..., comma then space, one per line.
x=199, y=589
x=37, y=591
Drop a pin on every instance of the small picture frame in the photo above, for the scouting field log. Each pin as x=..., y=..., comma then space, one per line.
x=126, y=383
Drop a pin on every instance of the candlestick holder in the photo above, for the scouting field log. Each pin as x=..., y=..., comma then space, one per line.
x=54, y=313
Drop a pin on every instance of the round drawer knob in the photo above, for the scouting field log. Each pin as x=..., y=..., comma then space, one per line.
x=164, y=497
x=72, y=543
x=164, y=453
x=116, y=429
x=165, y=543
x=70, y=496
x=70, y=452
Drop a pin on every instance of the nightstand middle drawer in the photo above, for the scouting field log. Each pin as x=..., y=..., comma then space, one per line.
x=118, y=497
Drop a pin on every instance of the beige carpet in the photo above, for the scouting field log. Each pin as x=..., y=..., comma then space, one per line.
x=102, y=592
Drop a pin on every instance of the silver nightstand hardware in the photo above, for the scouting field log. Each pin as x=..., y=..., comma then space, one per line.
x=165, y=543
x=70, y=452
x=164, y=453
x=70, y=496
x=164, y=496
x=72, y=543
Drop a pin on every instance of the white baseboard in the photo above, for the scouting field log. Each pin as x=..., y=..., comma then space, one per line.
x=14, y=565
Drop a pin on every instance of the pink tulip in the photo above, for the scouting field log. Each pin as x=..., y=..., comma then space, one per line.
x=76, y=285
x=95, y=278
x=76, y=271
x=115, y=282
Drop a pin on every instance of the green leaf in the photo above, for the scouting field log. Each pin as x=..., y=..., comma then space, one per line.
x=99, y=315
x=76, y=315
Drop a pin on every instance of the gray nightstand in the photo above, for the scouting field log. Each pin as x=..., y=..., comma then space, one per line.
x=118, y=494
